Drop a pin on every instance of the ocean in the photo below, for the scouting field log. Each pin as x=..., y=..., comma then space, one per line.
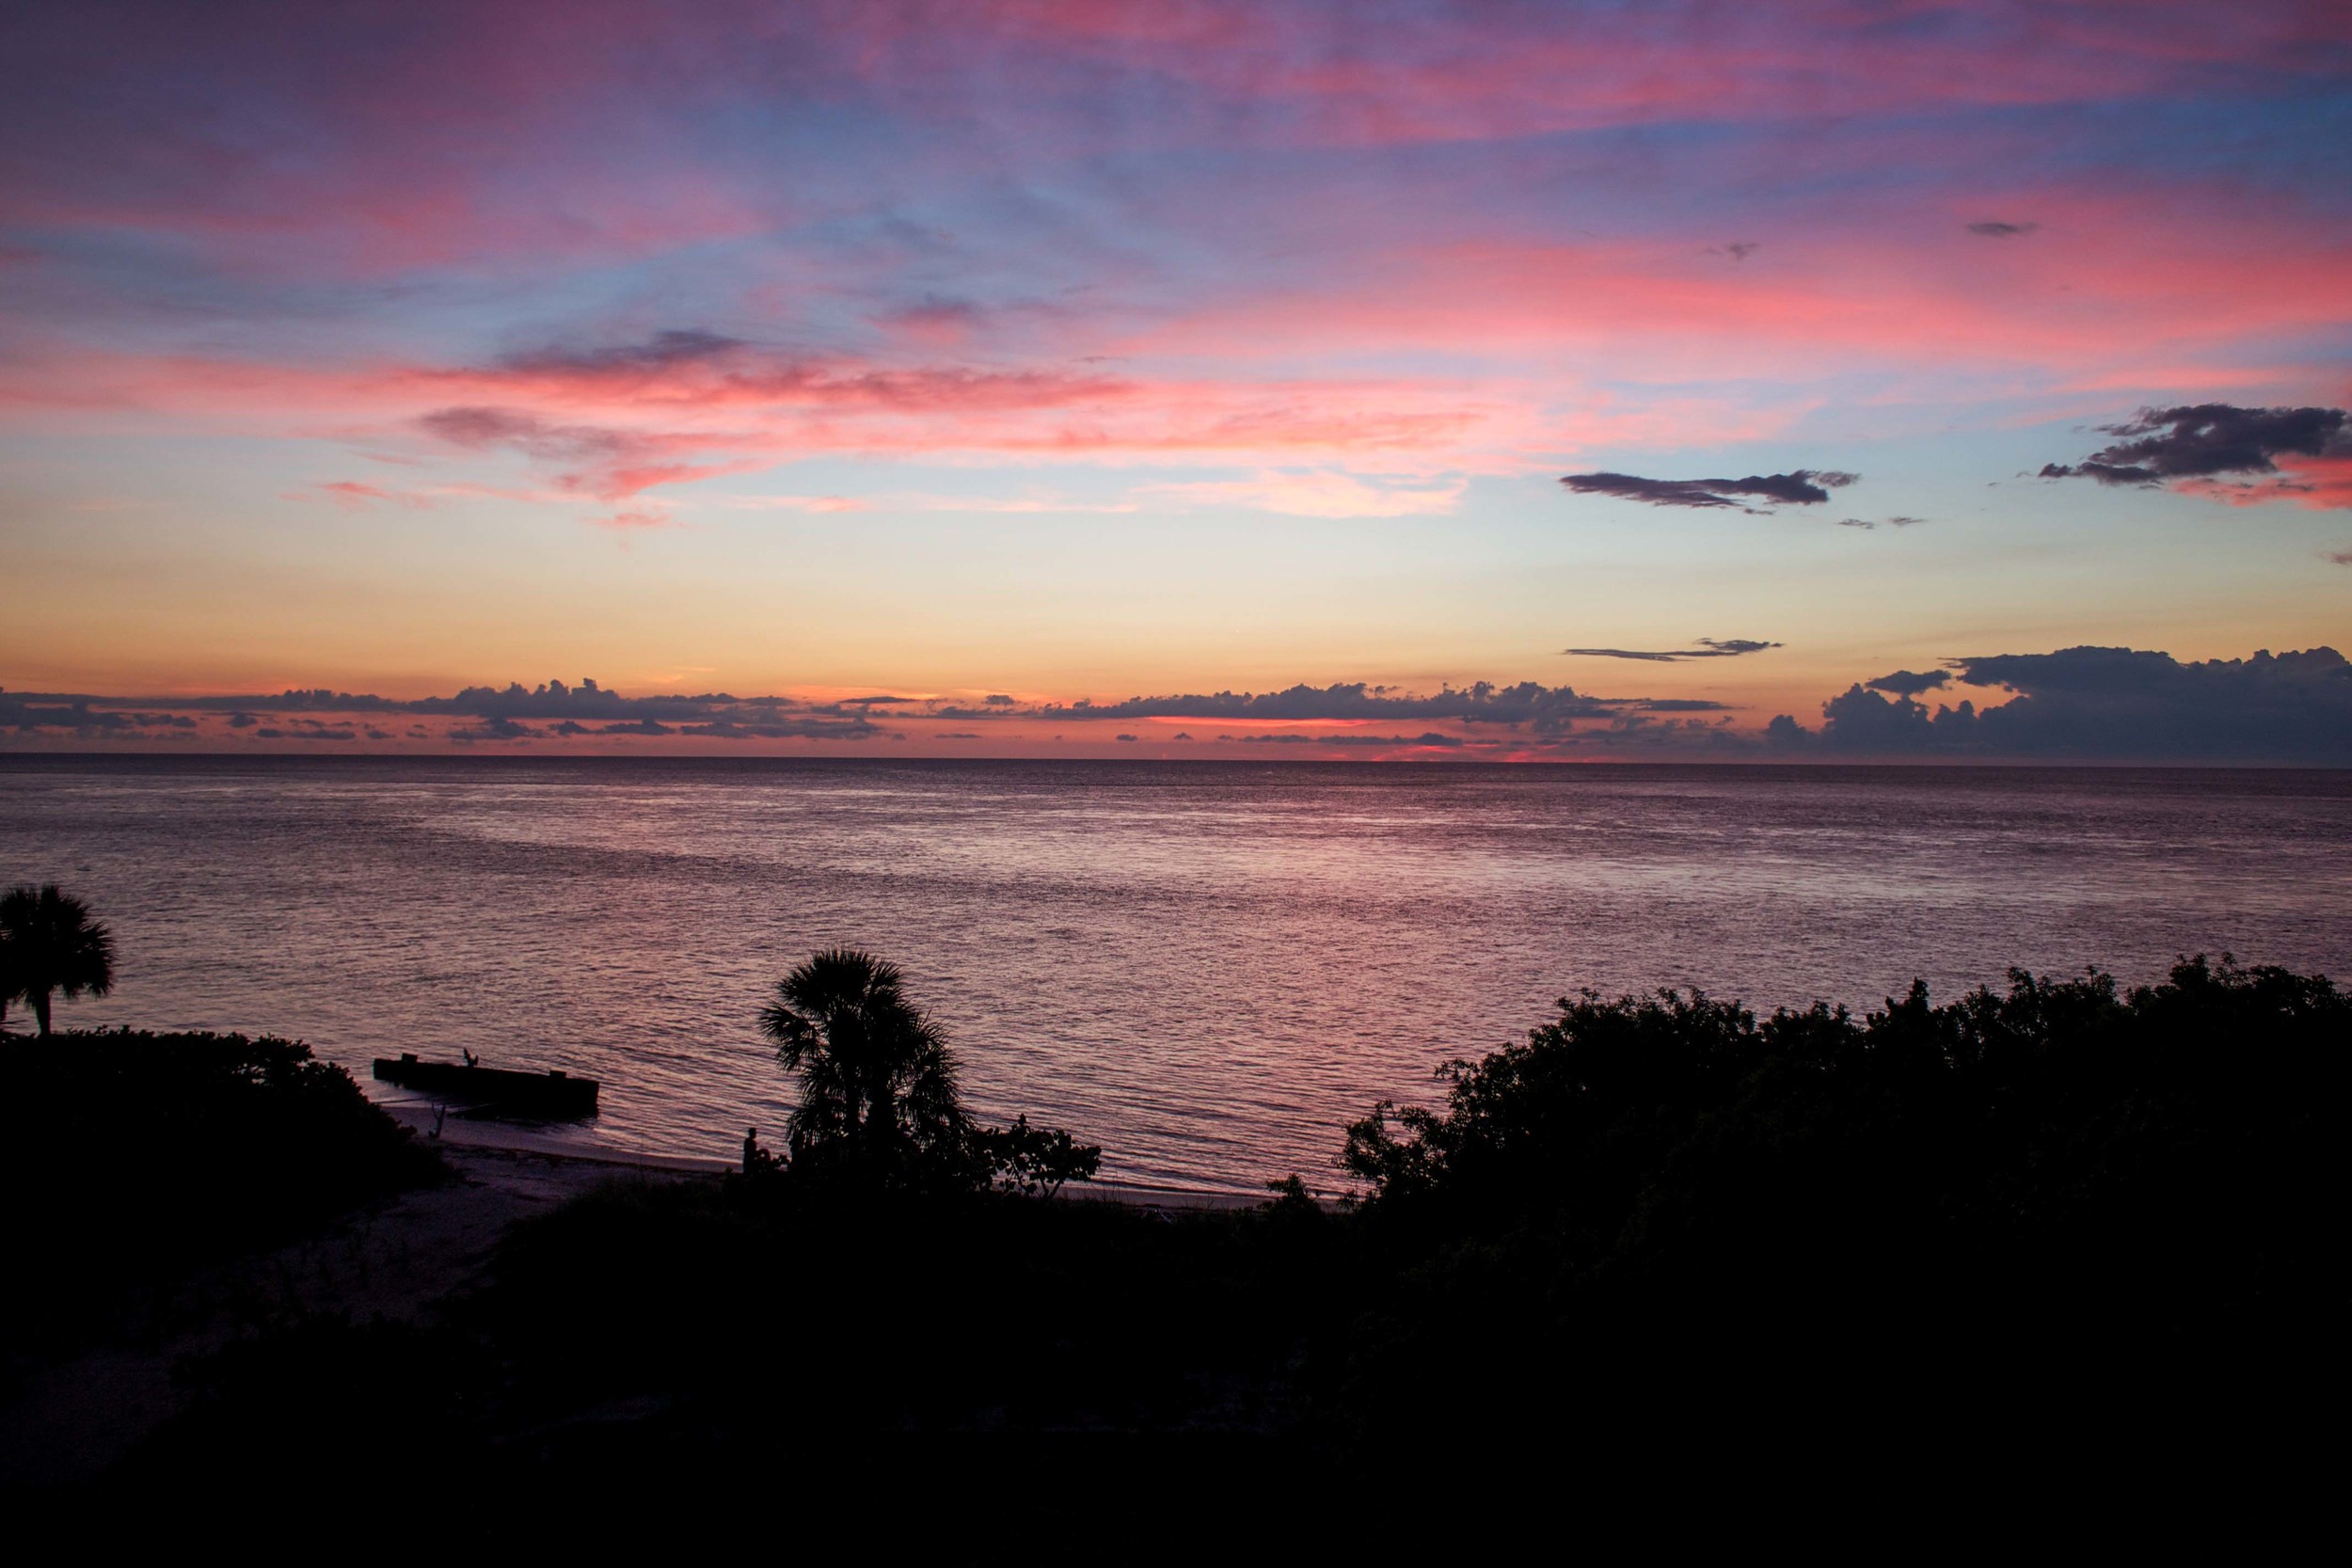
x=1207, y=968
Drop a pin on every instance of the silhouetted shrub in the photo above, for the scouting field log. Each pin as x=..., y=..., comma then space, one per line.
x=2045, y=1190
x=1662, y=1239
x=1037, y=1161
x=134, y=1155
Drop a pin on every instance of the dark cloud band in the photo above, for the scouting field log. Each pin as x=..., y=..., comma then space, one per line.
x=2104, y=704
x=1909, y=683
x=2206, y=440
x=1800, y=487
x=2082, y=704
x=1708, y=647
x=1545, y=708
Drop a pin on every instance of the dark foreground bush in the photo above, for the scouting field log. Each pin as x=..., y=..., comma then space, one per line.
x=2114, y=1210
x=917, y=1361
x=133, y=1156
x=2024, y=1233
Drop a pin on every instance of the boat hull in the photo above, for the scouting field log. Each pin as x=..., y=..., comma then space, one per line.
x=554, y=1095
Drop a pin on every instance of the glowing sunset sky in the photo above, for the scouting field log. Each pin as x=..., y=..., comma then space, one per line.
x=1051, y=352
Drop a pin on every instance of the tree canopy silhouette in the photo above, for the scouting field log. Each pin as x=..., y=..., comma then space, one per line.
x=49, y=945
x=879, y=1095
x=880, y=1104
x=1038, y=1161
x=1649, y=1189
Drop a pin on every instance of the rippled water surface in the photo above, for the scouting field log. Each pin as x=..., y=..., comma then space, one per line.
x=1208, y=968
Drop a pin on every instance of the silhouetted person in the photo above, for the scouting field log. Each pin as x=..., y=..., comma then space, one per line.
x=751, y=1151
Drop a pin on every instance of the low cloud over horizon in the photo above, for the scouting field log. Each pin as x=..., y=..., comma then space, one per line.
x=2081, y=703
x=2092, y=703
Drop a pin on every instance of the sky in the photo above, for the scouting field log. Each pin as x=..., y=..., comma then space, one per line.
x=1259, y=379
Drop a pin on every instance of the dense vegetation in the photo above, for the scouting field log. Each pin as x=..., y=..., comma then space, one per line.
x=2066, y=1214
x=2117, y=1205
x=133, y=1156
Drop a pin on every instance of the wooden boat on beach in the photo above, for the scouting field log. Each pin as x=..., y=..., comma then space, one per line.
x=552, y=1094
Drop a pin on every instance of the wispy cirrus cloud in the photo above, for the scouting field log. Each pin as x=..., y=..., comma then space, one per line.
x=705, y=369
x=1318, y=495
x=494, y=137
x=605, y=463
x=682, y=406
x=2134, y=289
x=797, y=504
x=355, y=495
x=636, y=521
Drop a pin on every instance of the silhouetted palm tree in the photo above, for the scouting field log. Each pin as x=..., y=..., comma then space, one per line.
x=877, y=1081
x=53, y=945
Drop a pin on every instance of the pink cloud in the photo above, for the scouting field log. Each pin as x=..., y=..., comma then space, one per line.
x=797, y=504
x=604, y=438
x=635, y=522
x=1252, y=73
x=528, y=133
x=1452, y=74
x=703, y=371
x=2118, y=283
x=469, y=136
x=2319, y=483
x=1418, y=360
x=352, y=496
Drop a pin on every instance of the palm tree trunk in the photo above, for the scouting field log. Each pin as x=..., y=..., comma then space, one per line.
x=881, y=1126
x=41, y=1009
